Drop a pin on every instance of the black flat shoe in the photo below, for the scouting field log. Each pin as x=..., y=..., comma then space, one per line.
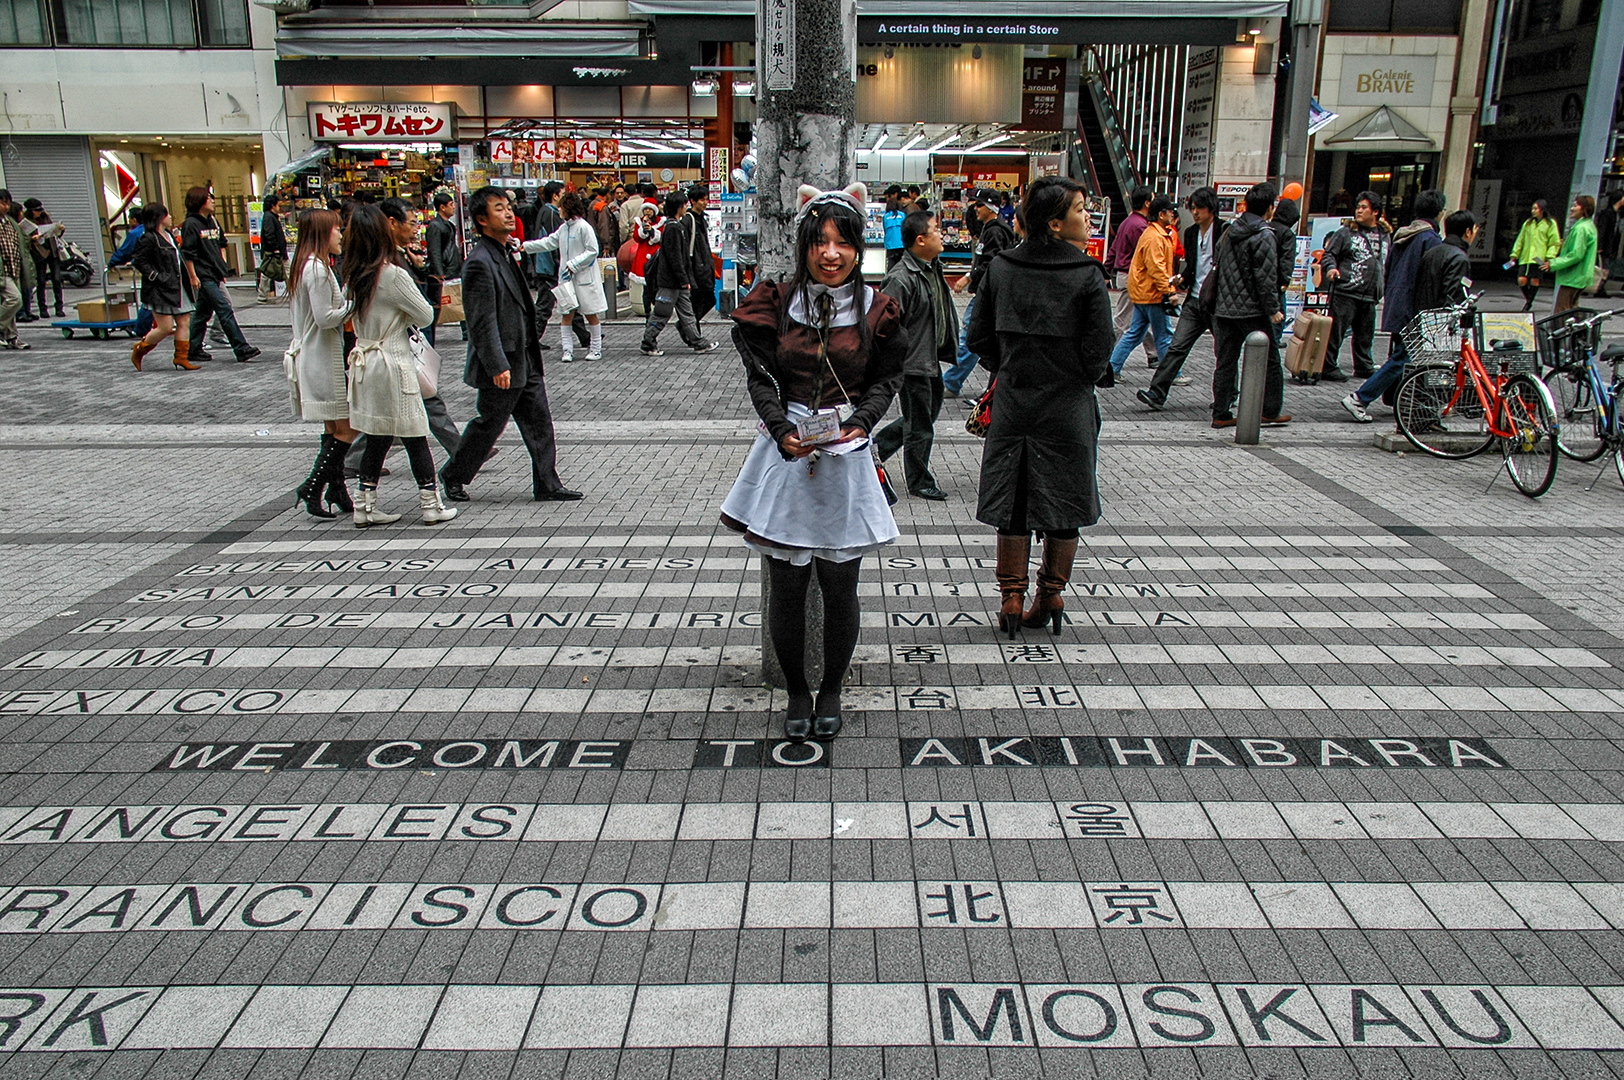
x=558, y=495
x=934, y=494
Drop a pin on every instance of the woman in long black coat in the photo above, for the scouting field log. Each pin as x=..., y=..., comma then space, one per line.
x=1042, y=326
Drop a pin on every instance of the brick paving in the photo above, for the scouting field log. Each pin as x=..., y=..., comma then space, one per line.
x=1322, y=779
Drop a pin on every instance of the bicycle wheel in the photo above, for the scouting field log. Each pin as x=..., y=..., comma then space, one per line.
x=1583, y=425
x=1618, y=461
x=1440, y=415
x=1532, y=449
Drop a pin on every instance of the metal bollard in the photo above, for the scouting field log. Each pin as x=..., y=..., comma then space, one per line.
x=1254, y=376
x=609, y=272
x=771, y=673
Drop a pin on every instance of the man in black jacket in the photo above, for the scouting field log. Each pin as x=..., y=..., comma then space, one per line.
x=1444, y=276
x=1195, y=317
x=703, y=274
x=504, y=363
x=932, y=327
x=1352, y=269
x=1246, y=298
x=200, y=243
x=674, y=286
x=273, y=251
x=994, y=237
x=444, y=252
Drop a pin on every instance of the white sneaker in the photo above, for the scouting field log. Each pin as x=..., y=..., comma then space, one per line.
x=1182, y=380
x=1357, y=410
x=595, y=355
x=567, y=358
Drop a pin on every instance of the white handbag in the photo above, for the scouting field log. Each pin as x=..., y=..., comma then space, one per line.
x=290, y=370
x=427, y=359
x=564, y=293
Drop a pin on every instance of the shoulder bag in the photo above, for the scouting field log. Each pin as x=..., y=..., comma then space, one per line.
x=980, y=418
x=427, y=360
x=564, y=291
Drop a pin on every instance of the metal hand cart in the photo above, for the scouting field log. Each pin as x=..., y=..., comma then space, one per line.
x=101, y=331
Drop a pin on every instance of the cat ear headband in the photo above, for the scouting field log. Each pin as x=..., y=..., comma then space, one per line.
x=853, y=197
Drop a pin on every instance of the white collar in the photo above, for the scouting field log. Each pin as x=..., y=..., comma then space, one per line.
x=845, y=298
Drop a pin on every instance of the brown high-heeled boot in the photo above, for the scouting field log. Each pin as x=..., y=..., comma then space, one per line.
x=1014, y=555
x=138, y=351
x=1053, y=574
x=182, y=348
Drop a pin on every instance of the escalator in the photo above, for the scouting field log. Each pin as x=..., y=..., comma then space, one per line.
x=1105, y=162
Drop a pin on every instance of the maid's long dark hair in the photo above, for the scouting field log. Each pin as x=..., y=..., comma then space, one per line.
x=850, y=227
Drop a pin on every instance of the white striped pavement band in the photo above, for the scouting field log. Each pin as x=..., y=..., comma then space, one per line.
x=818, y=905
x=944, y=819
x=569, y=1016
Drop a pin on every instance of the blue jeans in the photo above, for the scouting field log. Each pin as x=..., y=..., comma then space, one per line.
x=212, y=301
x=1387, y=375
x=953, y=379
x=1151, y=316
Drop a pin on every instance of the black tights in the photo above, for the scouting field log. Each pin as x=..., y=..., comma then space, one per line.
x=417, y=452
x=786, y=620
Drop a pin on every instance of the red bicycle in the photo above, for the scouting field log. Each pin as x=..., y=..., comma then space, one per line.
x=1450, y=406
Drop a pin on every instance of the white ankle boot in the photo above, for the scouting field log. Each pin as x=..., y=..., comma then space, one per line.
x=434, y=511
x=366, y=510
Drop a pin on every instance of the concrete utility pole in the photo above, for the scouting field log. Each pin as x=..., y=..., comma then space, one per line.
x=1600, y=97
x=806, y=100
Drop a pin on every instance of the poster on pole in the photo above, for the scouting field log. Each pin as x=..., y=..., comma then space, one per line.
x=1195, y=141
x=778, y=44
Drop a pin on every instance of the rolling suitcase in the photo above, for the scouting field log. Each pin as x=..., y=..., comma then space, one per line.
x=1310, y=338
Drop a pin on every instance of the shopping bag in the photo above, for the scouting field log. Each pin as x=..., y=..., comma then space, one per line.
x=451, y=302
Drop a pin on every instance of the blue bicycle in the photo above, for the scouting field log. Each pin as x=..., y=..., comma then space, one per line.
x=1586, y=403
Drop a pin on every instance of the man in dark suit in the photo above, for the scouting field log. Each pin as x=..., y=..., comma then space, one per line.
x=1195, y=317
x=504, y=357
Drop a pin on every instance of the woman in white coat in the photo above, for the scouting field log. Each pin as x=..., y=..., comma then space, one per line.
x=386, y=401
x=314, y=362
x=576, y=242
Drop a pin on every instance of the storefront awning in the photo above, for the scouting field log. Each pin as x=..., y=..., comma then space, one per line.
x=488, y=40
x=306, y=161
x=978, y=9
x=1381, y=129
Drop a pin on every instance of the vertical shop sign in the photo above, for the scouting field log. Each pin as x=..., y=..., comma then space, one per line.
x=1200, y=99
x=1043, y=84
x=778, y=43
x=1485, y=203
x=717, y=164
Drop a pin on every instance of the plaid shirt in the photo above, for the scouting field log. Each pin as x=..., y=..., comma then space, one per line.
x=11, y=251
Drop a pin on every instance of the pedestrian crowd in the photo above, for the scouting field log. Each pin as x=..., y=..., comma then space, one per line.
x=825, y=353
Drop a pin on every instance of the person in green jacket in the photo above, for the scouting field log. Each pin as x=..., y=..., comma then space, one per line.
x=1538, y=239
x=1575, y=267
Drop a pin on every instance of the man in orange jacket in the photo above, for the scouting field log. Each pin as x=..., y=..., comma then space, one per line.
x=1150, y=282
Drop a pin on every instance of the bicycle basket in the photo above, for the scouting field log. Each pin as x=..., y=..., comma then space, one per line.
x=1434, y=337
x=1559, y=345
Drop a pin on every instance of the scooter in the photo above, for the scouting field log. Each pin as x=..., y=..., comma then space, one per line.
x=74, y=265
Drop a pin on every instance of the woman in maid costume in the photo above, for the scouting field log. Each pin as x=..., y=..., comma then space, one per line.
x=823, y=358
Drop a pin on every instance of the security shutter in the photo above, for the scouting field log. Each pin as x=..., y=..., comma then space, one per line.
x=56, y=170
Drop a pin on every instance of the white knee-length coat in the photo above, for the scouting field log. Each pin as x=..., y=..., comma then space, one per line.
x=314, y=362
x=385, y=398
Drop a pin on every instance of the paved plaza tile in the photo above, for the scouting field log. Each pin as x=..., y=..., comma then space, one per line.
x=1324, y=776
